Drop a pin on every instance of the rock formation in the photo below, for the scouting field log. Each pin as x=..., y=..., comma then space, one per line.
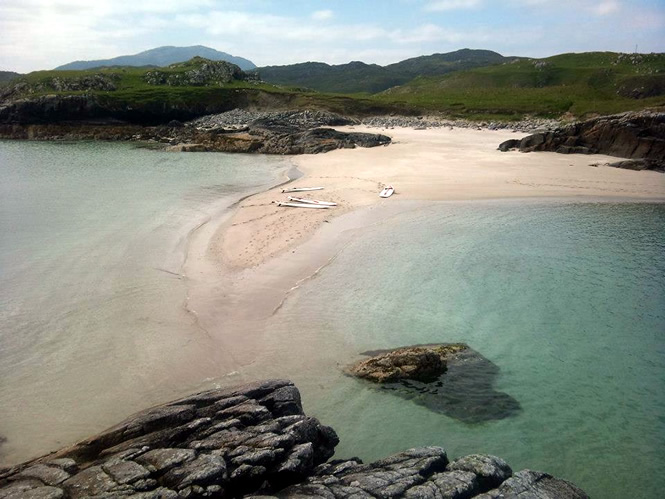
x=289, y=132
x=637, y=136
x=256, y=441
x=420, y=363
x=452, y=379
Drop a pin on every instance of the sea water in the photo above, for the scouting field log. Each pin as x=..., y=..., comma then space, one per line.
x=566, y=299
x=92, y=319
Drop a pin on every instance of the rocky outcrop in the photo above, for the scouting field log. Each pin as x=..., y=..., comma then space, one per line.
x=202, y=72
x=256, y=441
x=221, y=443
x=426, y=474
x=421, y=363
x=293, y=132
x=451, y=379
x=629, y=135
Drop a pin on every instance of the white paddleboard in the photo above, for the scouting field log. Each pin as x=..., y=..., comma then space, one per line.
x=387, y=191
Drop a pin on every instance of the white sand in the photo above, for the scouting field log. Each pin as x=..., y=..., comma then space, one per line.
x=437, y=164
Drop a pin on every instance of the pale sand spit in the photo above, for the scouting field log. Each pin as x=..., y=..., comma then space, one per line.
x=428, y=165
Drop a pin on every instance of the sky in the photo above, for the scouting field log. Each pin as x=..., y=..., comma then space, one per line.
x=43, y=34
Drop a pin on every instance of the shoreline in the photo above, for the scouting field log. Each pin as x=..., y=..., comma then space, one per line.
x=423, y=165
x=244, y=265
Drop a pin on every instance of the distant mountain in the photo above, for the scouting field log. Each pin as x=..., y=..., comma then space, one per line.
x=6, y=76
x=360, y=77
x=163, y=56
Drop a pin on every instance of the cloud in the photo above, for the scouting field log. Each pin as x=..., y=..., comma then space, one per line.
x=322, y=15
x=443, y=5
x=606, y=7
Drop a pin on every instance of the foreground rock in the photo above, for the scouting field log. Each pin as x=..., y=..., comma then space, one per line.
x=451, y=379
x=292, y=132
x=636, y=136
x=222, y=443
x=426, y=473
x=255, y=440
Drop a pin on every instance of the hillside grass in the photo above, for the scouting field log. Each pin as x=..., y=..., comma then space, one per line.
x=580, y=84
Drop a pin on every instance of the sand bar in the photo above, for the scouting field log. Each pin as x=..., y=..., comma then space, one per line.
x=425, y=165
x=244, y=265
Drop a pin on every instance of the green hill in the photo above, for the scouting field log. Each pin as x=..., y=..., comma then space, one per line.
x=155, y=95
x=7, y=76
x=582, y=84
x=358, y=77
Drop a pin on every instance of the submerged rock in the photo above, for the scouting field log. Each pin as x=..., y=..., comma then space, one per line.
x=459, y=384
x=420, y=363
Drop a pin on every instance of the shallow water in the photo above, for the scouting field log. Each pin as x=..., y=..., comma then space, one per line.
x=567, y=299
x=93, y=237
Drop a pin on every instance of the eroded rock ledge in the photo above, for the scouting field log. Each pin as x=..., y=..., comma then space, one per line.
x=638, y=136
x=255, y=440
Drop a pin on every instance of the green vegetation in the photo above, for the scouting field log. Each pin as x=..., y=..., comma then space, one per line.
x=358, y=77
x=7, y=76
x=580, y=84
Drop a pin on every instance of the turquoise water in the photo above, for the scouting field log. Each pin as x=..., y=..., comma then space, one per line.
x=92, y=240
x=567, y=299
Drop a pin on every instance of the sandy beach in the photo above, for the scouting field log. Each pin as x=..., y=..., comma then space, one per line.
x=243, y=266
x=423, y=165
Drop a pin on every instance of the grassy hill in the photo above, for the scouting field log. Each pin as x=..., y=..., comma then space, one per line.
x=358, y=77
x=153, y=95
x=581, y=84
x=7, y=76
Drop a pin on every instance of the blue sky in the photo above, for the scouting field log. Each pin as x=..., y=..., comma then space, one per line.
x=41, y=34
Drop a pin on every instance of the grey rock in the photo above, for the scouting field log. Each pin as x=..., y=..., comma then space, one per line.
x=125, y=471
x=163, y=459
x=49, y=475
x=450, y=484
x=632, y=135
x=252, y=440
x=528, y=484
x=491, y=471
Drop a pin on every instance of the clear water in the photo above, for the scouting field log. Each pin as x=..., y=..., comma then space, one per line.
x=567, y=299
x=92, y=239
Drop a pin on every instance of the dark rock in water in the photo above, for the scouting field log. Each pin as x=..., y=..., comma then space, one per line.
x=535, y=484
x=465, y=391
x=635, y=135
x=255, y=440
x=420, y=363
